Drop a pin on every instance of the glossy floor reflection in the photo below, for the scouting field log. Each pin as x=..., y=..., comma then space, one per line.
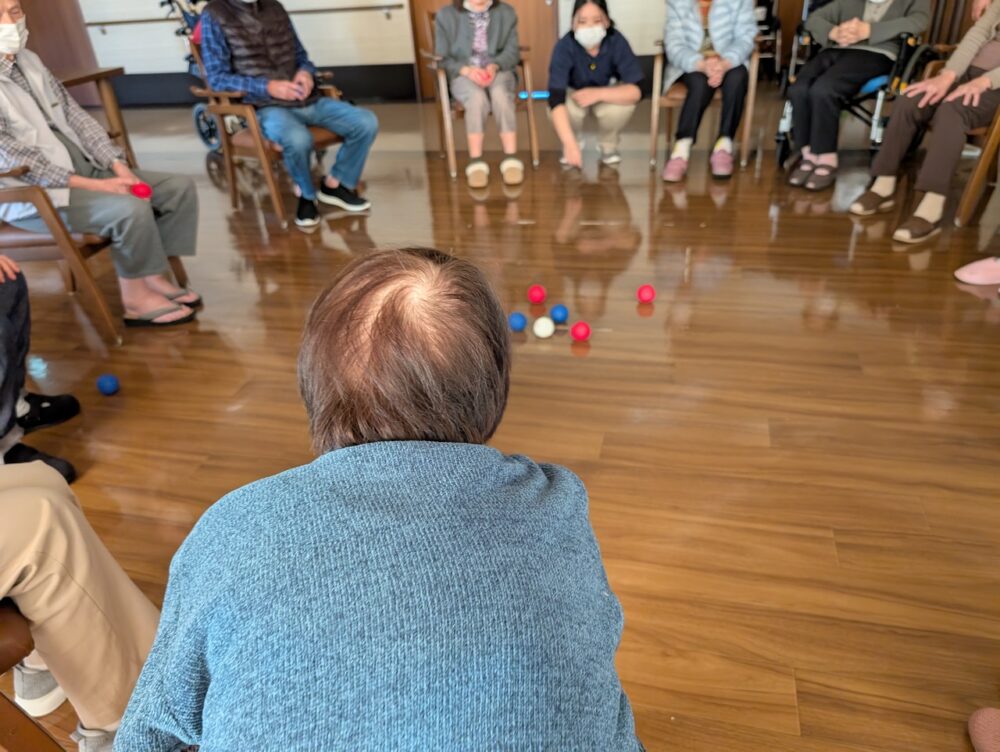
x=792, y=455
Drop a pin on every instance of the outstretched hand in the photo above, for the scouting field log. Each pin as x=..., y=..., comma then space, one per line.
x=970, y=91
x=933, y=90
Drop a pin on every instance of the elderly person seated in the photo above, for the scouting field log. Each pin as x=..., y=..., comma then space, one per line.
x=708, y=44
x=860, y=40
x=89, y=183
x=479, y=44
x=963, y=96
x=92, y=627
x=411, y=588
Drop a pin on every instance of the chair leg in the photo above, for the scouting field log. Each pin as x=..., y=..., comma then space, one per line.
x=69, y=281
x=654, y=132
x=180, y=273
x=529, y=84
x=746, y=129
x=449, y=131
x=267, y=167
x=980, y=175
x=229, y=160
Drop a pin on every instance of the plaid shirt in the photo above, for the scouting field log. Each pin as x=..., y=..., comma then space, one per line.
x=218, y=60
x=43, y=172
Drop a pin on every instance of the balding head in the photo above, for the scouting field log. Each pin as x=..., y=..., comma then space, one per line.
x=405, y=345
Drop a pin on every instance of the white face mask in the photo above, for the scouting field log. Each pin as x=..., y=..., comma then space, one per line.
x=468, y=6
x=13, y=37
x=590, y=36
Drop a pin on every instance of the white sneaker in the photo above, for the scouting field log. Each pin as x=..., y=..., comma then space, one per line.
x=611, y=159
x=36, y=691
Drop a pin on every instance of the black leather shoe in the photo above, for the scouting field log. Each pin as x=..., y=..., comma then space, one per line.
x=48, y=411
x=21, y=453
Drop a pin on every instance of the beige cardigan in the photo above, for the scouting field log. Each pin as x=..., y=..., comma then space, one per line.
x=986, y=28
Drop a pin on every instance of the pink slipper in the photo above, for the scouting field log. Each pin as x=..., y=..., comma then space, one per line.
x=722, y=164
x=984, y=730
x=983, y=272
x=675, y=169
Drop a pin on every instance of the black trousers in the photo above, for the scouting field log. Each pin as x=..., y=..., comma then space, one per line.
x=699, y=97
x=950, y=121
x=822, y=84
x=15, y=335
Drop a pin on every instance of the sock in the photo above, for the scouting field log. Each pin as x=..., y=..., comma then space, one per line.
x=88, y=732
x=724, y=144
x=34, y=661
x=931, y=207
x=884, y=185
x=682, y=148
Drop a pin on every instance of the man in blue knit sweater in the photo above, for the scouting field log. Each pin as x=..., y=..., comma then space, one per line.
x=410, y=589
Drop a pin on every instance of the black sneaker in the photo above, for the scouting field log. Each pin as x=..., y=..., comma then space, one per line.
x=343, y=197
x=307, y=215
x=20, y=453
x=47, y=411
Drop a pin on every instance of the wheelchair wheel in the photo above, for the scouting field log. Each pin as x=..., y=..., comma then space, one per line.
x=207, y=129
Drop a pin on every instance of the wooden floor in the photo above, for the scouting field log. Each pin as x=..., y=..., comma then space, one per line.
x=792, y=456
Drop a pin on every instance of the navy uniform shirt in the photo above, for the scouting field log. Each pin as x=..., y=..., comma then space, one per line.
x=572, y=67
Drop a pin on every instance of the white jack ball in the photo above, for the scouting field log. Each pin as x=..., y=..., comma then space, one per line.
x=543, y=327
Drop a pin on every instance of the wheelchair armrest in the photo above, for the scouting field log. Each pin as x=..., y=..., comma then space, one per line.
x=16, y=172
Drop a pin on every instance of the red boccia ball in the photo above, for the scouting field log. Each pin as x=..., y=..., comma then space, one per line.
x=580, y=331
x=646, y=294
x=537, y=294
x=142, y=190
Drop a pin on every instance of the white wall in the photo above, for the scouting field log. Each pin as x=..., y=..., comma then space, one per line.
x=376, y=32
x=641, y=21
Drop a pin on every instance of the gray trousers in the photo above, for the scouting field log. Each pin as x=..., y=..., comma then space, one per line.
x=143, y=233
x=498, y=98
x=15, y=336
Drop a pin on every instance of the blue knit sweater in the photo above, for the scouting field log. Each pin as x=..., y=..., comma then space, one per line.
x=391, y=596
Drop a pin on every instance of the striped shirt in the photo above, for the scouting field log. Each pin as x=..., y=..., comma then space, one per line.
x=91, y=134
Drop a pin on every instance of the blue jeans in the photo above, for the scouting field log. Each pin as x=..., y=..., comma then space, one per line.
x=289, y=127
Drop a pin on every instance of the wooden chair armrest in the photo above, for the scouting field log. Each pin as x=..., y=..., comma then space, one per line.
x=525, y=48
x=324, y=75
x=433, y=61
x=203, y=93
x=658, y=44
x=16, y=172
x=77, y=78
x=331, y=91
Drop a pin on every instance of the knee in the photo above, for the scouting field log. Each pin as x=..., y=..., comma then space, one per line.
x=737, y=78
x=297, y=140
x=798, y=91
x=180, y=186
x=697, y=84
x=950, y=115
x=367, y=123
x=823, y=91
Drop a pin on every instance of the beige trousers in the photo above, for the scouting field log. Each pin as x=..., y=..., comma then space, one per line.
x=91, y=625
x=611, y=121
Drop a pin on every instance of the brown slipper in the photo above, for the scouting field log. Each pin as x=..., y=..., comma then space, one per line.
x=916, y=230
x=801, y=173
x=869, y=203
x=822, y=177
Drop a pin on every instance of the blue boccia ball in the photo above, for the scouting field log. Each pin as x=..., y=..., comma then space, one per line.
x=559, y=314
x=107, y=384
x=518, y=321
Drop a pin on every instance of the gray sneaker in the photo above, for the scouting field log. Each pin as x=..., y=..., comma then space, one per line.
x=93, y=741
x=36, y=691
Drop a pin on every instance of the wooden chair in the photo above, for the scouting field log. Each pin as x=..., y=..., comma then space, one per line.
x=18, y=732
x=247, y=140
x=450, y=110
x=988, y=139
x=674, y=99
x=59, y=244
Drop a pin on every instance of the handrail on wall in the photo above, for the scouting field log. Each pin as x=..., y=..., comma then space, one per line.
x=386, y=8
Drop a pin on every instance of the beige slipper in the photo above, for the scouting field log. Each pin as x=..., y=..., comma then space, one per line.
x=512, y=171
x=478, y=174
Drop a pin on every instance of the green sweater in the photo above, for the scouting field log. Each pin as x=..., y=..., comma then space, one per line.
x=453, y=38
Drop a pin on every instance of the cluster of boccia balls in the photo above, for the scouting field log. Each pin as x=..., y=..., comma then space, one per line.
x=545, y=326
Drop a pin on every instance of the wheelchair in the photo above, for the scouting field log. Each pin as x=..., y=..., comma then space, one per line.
x=869, y=103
